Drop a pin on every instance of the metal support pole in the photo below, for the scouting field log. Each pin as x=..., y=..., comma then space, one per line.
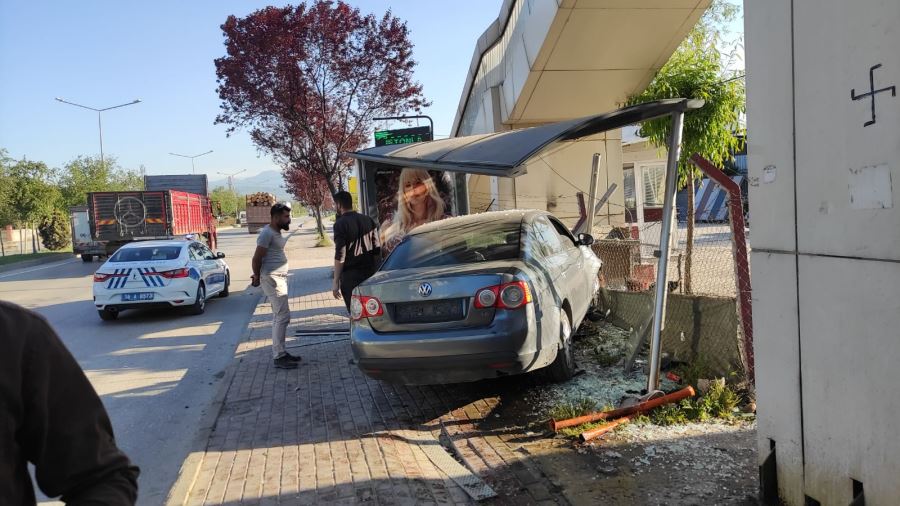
x=592, y=196
x=100, y=126
x=659, y=306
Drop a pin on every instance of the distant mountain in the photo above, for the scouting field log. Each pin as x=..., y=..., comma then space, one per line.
x=269, y=181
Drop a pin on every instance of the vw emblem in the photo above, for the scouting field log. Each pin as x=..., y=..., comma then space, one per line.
x=425, y=289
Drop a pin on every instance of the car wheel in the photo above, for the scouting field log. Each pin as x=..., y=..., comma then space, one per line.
x=224, y=292
x=200, y=302
x=87, y=258
x=107, y=315
x=563, y=368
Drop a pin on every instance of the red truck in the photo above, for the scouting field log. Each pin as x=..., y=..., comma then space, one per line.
x=121, y=217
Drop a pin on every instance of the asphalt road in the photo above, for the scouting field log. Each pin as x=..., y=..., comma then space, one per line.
x=156, y=370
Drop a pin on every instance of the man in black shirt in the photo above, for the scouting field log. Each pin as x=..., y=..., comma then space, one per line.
x=357, y=248
x=51, y=416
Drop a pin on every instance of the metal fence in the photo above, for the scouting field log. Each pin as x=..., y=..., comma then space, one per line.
x=708, y=314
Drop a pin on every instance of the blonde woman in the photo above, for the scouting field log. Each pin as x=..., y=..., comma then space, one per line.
x=418, y=202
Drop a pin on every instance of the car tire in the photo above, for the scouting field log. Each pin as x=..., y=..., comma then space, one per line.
x=87, y=258
x=224, y=292
x=563, y=367
x=199, y=306
x=107, y=315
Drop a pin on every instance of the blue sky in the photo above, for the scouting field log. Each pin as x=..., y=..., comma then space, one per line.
x=103, y=53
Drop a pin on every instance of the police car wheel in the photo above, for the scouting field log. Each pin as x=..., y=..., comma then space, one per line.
x=224, y=292
x=200, y=302
x=107, y=315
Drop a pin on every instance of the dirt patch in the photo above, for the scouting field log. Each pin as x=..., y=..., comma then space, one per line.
x=639, y=463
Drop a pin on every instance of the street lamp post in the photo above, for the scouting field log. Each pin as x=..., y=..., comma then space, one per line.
x=193, y=169
x=231, y=178
x=99, y=117
x=231, y=186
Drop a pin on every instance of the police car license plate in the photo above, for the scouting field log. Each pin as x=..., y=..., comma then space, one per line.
x=133, y=297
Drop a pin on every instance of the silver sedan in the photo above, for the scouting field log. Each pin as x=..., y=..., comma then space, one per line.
x=476, y=297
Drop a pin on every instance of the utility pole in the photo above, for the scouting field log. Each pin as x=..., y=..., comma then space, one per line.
x=231, y=178
x=231, y=188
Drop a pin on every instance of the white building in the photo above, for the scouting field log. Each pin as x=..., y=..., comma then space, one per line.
x=824, y=156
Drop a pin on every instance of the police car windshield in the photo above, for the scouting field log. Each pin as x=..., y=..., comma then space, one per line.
x=146, y=254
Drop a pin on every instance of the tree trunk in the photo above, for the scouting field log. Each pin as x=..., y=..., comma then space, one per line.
x=2, y=247
x=689, y=249
x=331, y=187
x=320, y=227
x=33, y=238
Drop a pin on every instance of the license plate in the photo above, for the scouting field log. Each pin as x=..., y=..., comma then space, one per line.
x=429, y=312
x=135, y=297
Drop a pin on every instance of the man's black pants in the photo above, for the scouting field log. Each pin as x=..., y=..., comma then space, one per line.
x=350, y=280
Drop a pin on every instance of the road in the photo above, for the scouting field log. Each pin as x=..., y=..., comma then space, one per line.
x=155, y=370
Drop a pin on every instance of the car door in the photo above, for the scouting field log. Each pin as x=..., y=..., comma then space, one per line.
x=554, y=256
x=574, y=268
x=213, y=272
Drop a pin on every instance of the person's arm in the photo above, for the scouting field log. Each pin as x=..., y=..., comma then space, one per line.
x=67, y=434
x=256, y=264
x=262, y=246
x=340, y=254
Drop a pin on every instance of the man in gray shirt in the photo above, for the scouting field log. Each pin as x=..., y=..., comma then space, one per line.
x=270, y=270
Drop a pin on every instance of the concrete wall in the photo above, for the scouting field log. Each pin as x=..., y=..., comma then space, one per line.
x=826, y=244
x=697, y=327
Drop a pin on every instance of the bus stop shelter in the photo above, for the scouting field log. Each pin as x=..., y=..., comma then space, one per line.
x=506, y=154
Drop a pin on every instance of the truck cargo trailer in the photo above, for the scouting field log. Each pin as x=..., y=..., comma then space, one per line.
x=122, y=217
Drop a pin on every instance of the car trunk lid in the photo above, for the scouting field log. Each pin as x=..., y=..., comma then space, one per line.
x=433, y=297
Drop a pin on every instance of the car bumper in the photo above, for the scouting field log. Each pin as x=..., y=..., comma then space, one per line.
x=508, y=346
x=171, y=297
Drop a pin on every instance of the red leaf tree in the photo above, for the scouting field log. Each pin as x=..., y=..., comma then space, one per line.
x=306, y=82
x=310, y=190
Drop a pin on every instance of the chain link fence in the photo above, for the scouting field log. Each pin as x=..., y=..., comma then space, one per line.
x=703, y=322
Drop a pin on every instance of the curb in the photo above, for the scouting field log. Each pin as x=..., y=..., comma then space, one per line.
x=45, y=259
x=187, y=476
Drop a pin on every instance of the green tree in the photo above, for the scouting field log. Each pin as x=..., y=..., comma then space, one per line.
x=698, y=69
x=230, y=201
x=87, y=174
x=55, y=230
x=35, y=194
x=7, y=214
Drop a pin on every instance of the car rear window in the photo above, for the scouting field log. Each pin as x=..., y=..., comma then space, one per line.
x=465, y=244
x=146, y=254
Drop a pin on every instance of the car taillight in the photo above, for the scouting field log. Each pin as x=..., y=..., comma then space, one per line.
x=486, y=297
x=100, y=277
x=176, y=273
x=365, y=307
x=506, y=296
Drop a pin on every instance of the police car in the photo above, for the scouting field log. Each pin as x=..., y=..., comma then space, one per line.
x=173, y=273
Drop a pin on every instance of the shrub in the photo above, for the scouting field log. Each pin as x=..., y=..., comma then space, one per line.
x=55, y=231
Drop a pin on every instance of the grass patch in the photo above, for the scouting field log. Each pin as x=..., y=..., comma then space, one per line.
x=695, y=371
x=719, y=403
x=324, y=242
x=12, y=259
x=576, y=431
x=572, y=409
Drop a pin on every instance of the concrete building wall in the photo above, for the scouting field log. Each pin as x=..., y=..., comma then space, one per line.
x=543, y=61
x=826, y=244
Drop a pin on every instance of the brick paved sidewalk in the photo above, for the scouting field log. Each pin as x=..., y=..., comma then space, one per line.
x=327, y=434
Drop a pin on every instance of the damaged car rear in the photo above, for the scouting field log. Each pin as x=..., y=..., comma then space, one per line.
x=476, y=297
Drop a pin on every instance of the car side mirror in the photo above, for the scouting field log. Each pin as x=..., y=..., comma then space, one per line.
x=585, y=239
x=220, y=255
